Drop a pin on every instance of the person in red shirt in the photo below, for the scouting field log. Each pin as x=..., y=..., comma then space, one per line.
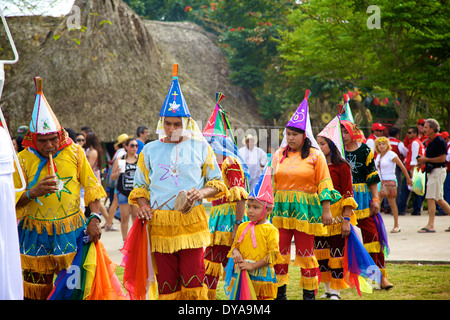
x=414, y=149
x=377, y=131
x=329, y=249
x=421, y=135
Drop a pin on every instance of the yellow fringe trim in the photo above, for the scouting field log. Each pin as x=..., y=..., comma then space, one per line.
x=362, y=214
x=213, y=268
x=316, y=229
x=337, y=212
x=306, y=262
x=237, y=193
x=172, y=230
x=171, y=296
x=338, y=284
x=373, y=247
x=200, y=293
x=322, y=254
x=285, y=259
x=336, y=263
x=325, y=277
x=325, y=184
x=94, y=193
x=209, y=162
x=282, y=279
x=369, y=158
x=371, y=175
x=211, y=294
x=221, y=238
x=296, y=196
x=383, y=272
x=37, y=291
x=360, y=187
x=138, y=193
x=219, y=186
x=309, y=283
x=67, y=224
x=274, y=257
x=47, y=264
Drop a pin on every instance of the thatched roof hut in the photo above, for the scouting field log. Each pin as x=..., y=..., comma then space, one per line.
x=113, y=73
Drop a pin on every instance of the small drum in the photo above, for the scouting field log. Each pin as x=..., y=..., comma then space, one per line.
x=182, y=203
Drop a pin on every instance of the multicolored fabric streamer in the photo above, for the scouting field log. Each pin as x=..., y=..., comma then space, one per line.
x=90, y=277
x=379, y=222
x=242, y=287
x=138, y=275
x=359, y=265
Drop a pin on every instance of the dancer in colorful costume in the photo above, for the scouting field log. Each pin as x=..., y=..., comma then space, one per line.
x=49, y=209
x=255, y=248
x=329, y=249
x=90, y=277
x=365, y=181
x=180, y=160
x=227, y=213
x=303, y=195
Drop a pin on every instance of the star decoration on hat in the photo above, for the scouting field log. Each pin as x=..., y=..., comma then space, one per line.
x=174, y=106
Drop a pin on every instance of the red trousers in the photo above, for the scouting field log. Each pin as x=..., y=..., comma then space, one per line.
x=304, y=252
x=215, y=256
x=184, y=269
x=369, y=235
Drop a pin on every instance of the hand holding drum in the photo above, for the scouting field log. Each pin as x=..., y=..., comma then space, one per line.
x=185, y=200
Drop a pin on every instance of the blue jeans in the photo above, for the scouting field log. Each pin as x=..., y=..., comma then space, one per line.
x=418, y=200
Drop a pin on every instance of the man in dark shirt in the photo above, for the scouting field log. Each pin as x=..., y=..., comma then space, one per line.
x=434, y=160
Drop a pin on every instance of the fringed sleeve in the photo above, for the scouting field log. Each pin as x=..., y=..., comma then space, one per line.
x=234, y=179
x=372, y=173
x=18, y=184
x=213, y=175
x=274, y=256
x=220, y=186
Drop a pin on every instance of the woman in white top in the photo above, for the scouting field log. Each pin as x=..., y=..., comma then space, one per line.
x=385, y=162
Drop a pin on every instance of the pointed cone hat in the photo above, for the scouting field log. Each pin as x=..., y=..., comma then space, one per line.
x=263, y=190
x=333, y=132
x=300, y=120
x=300, y=117
x=218, y=124
x=43, y=120
x=175, y=105
x=346, y=111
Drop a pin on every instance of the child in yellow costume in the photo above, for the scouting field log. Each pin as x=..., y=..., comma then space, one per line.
x=255, y=247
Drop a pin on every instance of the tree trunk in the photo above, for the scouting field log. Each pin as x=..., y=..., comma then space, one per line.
x=403, y=109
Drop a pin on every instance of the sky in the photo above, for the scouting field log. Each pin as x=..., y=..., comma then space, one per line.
x=54, y=8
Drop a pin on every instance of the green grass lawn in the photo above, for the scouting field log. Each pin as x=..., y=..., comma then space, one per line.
x=411, y=282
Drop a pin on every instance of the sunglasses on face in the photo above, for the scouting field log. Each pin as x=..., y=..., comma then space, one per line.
x=80, y=140
x=133, y=145
x=410, y=132
x=421, y=124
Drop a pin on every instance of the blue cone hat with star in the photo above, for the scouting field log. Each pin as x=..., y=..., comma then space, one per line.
x=175, y=105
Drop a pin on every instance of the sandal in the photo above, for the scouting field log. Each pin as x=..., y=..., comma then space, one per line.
x=425, y=230
x=396, y=230
x=110, y=228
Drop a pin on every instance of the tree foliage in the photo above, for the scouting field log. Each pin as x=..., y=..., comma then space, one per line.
x=279, y=48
